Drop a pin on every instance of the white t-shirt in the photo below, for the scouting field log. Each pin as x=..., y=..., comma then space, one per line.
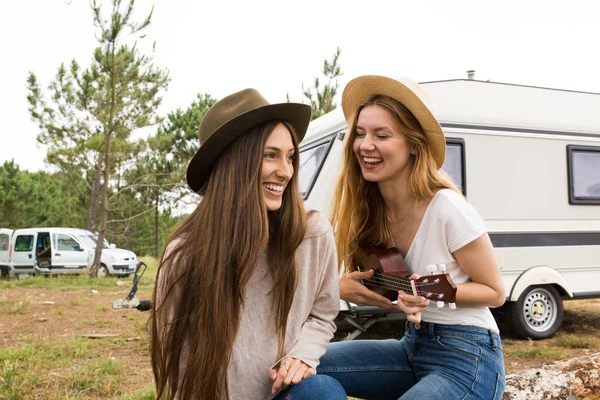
x=449, y=224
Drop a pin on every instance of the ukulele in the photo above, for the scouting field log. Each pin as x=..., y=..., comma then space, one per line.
x=392, y=275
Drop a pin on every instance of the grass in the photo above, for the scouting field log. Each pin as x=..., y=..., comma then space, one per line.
x=143, y=394
x=101, y=308
x=574, y=342
x=97, y=322
x=19, y=308
x=101, y=376
x=26, y=367
x=75, y=282
x=534, y=350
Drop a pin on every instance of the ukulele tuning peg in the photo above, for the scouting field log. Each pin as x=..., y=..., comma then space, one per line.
x=431, y=268
x=442, y=267
x=452, y=306
x=439, y=304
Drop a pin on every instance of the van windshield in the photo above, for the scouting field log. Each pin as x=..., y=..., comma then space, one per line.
x=90, y=241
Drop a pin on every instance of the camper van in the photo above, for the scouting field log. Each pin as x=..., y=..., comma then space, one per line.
x=528, y=159
x=50, y=251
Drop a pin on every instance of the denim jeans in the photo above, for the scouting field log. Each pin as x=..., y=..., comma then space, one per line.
x=317, y=387
x=432, y=362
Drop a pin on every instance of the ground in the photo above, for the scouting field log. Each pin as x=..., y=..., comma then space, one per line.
x=47, y=349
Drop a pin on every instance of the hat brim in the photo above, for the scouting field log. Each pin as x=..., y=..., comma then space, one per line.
x=359, y=90
x=200, y=168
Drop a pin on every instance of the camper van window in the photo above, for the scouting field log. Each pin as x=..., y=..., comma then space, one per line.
x=65, y=243
x=454, y=164
x=311, y=161
x=24, y=243
x=4, y=239
x=583, y=163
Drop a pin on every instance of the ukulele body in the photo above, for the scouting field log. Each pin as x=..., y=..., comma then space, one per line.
x=388, y=261
x=392, y=275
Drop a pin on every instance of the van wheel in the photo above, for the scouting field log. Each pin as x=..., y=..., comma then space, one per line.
x=537, y=314
x=102, y=271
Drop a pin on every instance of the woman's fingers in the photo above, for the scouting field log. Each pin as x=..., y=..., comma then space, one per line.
x=291, y=371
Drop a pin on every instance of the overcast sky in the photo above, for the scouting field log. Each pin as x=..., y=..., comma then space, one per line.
x=223, y=46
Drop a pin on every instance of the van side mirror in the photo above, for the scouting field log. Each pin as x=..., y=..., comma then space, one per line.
x=112, y=246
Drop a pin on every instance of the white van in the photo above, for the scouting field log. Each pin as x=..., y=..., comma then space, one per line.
x=5, y=268
x=528, y=159
x=51, y=251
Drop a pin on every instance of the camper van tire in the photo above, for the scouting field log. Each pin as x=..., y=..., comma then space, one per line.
x=102, y=271
x=538, y=314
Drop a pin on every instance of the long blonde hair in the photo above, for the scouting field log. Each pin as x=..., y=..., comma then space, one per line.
x=359, y=211
x=212, y=256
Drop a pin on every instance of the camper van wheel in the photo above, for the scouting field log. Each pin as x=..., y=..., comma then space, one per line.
x=102, y=271
x=537, y=314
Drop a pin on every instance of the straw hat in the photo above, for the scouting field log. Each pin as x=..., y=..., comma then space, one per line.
x=229, y=118
x=405, y=91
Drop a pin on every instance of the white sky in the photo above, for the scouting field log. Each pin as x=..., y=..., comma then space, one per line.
x=223, y=46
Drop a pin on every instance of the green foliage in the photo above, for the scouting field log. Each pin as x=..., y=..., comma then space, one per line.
x=159, y=174
x=321, y=99
x=91, y=113
x=29, y=199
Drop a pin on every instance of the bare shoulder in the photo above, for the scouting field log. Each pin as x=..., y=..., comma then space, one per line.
x=318, y=225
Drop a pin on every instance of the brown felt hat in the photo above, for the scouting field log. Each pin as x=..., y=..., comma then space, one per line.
x=229, y=118
x=405, y=91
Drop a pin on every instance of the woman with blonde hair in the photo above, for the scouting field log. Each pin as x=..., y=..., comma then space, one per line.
x=392, y=194
x=247, y=290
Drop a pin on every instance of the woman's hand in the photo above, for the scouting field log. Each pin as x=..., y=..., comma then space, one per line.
x=355, y=292
x=290, y=371
x=413, y=306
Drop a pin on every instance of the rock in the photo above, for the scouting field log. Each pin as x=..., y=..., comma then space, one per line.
x=43, y=319
x=48, y=303
x=572, y=379
x=94, y=291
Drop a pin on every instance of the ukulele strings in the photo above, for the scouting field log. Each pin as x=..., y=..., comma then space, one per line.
x=393, y=282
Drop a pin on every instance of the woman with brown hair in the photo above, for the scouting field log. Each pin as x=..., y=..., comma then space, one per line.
x=392, y=194
x=247, y=288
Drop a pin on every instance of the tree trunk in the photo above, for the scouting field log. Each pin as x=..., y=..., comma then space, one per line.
x=109, y=129
x=156, y=215
x=103, y=211
x=91, y=221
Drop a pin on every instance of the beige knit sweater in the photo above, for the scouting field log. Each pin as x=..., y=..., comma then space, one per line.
x=310, y=321
x=310, y=324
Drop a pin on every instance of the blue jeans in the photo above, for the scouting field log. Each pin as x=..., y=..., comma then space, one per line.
x=433, y=362
x=317, y=387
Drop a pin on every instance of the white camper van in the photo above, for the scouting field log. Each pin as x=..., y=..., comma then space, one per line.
x=50, y=251
x=528, y=159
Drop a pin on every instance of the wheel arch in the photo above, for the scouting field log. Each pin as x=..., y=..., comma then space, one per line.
x=539, y=275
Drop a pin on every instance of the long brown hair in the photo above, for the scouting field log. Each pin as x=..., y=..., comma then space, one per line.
x=359, y=210
x=211, y=256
